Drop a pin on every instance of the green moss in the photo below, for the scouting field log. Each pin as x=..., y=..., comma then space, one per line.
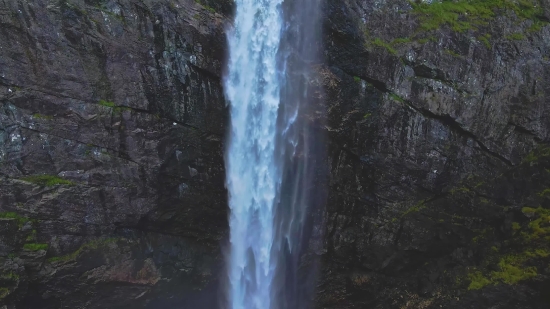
x=116, y=108
x=452, y=53
x=516, y=36
x=485, y=39
x=537, y=154
x=381, y=43
x=416, y=208
x=35, y=247
x=516, y=226
x=367, y=115
x=32, y=236
x=106, y=103
x=463, y=15
x=396, y=97
x=357, y=79
x=4, y=292
x=457, y=190
x=400, y=41
x=478, y=281
x=545, y=192
x=47, y=180
x=427, y=39
x=206, y=6
x=12, y=215
x=40, y=116
x=92, y=245
x=9, y=276
x=511, y=271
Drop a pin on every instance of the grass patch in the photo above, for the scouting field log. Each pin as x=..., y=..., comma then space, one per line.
x=47, y=180
x=463, y=15
x=357, y=79
x=35, y=247
x=381, y=43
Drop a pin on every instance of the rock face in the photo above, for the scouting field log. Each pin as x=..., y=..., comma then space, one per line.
x=112, y=179
x=438, y=131
x=112, y=124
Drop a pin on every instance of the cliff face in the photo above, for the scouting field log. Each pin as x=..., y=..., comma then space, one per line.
x=438, y=126
x=112, y=125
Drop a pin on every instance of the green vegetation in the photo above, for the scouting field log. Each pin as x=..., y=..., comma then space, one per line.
x=485, y=40
x=528, y=248
x=512, y=270
x=477, y=281
x=537, y=154
x=211, y=9
x=32, y=236
x=367, y=115
x=381, y=43
x=9, y=276
x=47, y=180
x=463, y=15
x=396, y=97
x=4, y=292
x=40, y=116
x=107, y=103
x=452, y=53
x=113, y=106
x=357, y=79
x=516, y=36
x=539, y=228
x=545, y=192
x=12, y=215
x=35, y=247
x=92, y=245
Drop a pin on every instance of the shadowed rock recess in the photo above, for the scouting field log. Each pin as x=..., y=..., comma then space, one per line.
x=112, y=123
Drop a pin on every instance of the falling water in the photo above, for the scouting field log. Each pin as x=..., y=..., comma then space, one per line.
x=265, y=155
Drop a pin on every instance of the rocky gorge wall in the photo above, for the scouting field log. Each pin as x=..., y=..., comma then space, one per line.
x=112, y=126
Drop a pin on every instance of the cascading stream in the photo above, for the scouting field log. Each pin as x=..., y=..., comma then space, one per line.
x=253, y=178
x=268, y=159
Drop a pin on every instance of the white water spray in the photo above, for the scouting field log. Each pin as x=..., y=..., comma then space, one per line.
x=253, y=86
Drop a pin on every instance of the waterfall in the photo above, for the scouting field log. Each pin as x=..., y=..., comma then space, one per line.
x=266, y=153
